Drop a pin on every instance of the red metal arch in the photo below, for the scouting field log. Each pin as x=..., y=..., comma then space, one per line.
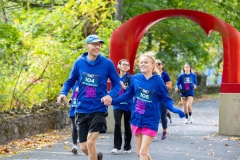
x=126, y=38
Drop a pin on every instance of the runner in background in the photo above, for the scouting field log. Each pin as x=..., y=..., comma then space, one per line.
x=123, y=109
x=166, y=78
x=186, y=83
x=73, y=104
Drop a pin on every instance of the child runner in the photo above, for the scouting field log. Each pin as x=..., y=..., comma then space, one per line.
x=148, y=90
x=186, y=83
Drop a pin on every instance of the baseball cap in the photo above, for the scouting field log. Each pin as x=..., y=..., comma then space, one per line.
x=93, y=38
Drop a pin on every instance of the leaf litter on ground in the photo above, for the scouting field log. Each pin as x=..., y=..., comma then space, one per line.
x=37, y=141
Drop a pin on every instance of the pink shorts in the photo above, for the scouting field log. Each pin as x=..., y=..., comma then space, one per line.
x=145, y=131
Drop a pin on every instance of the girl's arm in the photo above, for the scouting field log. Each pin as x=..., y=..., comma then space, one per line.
x=167, y=80
x=167, y=101
x=177, y=83
x=169, y=104
x=169, y=85
x=195, y=81
x=125, y=96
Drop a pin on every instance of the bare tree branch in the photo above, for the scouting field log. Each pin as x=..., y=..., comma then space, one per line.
x=39, y=78
x=15, y=86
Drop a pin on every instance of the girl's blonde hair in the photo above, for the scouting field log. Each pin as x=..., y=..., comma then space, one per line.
x=150, y=55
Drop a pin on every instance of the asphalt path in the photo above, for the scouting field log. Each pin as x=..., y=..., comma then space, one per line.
x=197, y=141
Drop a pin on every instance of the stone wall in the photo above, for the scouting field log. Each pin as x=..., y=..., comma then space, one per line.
x=21, y=126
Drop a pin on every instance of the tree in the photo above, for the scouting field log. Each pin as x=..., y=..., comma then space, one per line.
x=51, y=36
x=40, y=40
x=177, y=40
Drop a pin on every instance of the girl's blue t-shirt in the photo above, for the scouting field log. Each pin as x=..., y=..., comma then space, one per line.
x=148, y=94
x=186, y=81
x=165, y=76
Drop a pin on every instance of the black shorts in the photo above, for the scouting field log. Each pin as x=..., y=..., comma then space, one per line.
x=87, y=123
x=185, y=95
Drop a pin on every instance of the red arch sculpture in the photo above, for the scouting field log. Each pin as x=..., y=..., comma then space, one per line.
x=126, y=38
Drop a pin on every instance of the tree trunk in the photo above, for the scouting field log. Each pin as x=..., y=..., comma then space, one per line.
x=52, y=5
x=3, y=11
x=119, y=10
x=149, y=39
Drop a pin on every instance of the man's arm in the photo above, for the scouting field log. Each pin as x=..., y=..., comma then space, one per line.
x=115, y=81
x=69, y=83
x=116, y=86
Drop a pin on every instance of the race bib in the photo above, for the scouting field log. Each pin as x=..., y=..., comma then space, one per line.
x=144, y=95
x=90, y=92
x=90, y=79
x=140, y=106
x=187, y=82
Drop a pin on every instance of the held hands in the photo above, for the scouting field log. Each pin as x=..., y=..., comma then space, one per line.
x=70, y=101
x=61, y=98
x=107, y=100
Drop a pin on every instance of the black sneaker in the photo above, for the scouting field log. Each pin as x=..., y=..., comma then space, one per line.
x=100, y=155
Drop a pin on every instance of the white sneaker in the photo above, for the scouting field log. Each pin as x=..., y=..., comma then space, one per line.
x=190, y=119
x=186, y=121
x=115, y=150
x=74, y=149
x=127, y=151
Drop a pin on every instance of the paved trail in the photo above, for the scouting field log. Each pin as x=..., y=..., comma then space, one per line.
x=197, y=141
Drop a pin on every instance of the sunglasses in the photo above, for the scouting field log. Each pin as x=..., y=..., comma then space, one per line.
x=158, y=63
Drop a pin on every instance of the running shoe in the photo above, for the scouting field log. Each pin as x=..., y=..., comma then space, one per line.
x=115, y=150
x=74, y=149
x=190, y=119
x=100, y=156
x=127, y=151
x=164, y=135
x=186, y=121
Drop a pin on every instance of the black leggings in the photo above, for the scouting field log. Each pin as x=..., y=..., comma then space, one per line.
x=117, y=130
x=74, y=131
x=164, y=120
